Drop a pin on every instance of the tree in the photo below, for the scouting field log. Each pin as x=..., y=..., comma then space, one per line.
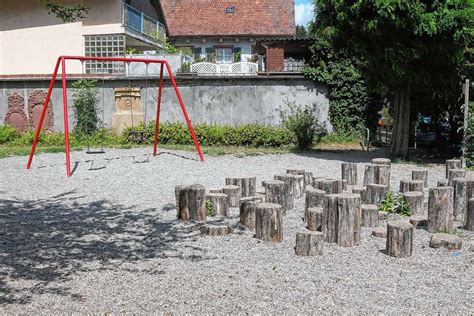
x=67, y=14
x=402, y=44
x=301, y=31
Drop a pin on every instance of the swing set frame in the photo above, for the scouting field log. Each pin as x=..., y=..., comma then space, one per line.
x=62, y=62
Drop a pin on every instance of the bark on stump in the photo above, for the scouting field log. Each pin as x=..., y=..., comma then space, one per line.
x=460, y=198
x=399, y=239
x=455, y=173
x=216, y=229
x=448, y=241
x=233, y=191
x=416, y=186
x=300, y=186
x=314, y=218
x=318, y=182
x=442, y=183
x=377, y=174
x=290, y=182
x=440, y=210
x=215, y=190
x=369, y=215
x=268, y=222
x=453, y=164
x=192, y=203
x=308, y=176
x=247, y=185
x=376, y=193
x=404, y=186
x=341, y=219
x=419, y=221
x=219, y=202
x=313, y=198
x=278, y=192
x=362, y=192
x=309, y=243
x=176, y=194
x=415, y=199
x=420, y=174
x=349, y=172
x=332, y=186
x=470, y=215
x=379, y=232
x=381, y=161
x=248, y=205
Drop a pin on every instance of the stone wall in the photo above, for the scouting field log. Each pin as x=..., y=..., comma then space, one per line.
x=210, y=100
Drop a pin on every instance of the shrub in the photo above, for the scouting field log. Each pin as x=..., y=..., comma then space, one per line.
x=396, y=203
x=8, y=134
x=301, y=120
x=85, y=106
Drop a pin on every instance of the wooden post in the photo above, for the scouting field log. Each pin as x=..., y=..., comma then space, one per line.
x=376, y=193
x=309, y=243
x=313, y=198
x=404, y=186
x=192, y=203
x=416, y=185
x=442, y=183
x=349, y=172
x=415, y=199
x=215, y=190
x=420, y=174
x=216, y=229
x=332, y=186
x=440, y=210
x=330, y=218
x=369, y=215
x=176, y=193
x=314, y=218
x=470, y=215
x=308, y=176
x=318, y=182
x=233, y=191
x=247, y=185
x=399, y=239
x=248, y=205
x=341, y=219
x=455, y=173
x=290, y=182
x=377, y=174
x=268, y=222
x=453, y=164
x=381, y=161
x=460, y=198
x=278, y=192
x=362, y=192
x=219, y=203
x=300, y=186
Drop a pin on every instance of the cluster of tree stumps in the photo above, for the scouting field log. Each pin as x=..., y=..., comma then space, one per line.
x=335, y=210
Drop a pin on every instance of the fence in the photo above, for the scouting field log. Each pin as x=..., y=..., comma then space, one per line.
x=243, y=68
x=293, y=65
x=139, y=69
x=137, y=21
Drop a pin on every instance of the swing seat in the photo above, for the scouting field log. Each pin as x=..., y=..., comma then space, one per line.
x=138, y=137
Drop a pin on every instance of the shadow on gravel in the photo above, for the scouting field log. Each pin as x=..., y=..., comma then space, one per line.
x=356, y=156
x=44, y=242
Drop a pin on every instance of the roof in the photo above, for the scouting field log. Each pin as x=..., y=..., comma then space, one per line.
x=249, y=18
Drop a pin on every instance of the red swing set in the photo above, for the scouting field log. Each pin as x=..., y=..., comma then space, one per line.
x=62, y=61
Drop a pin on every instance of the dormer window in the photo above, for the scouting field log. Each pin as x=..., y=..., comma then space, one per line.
x=229, y=10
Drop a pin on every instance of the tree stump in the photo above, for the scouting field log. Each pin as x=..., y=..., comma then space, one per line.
x=309, y=243
x=176, y=194
x=376, y=193
x=416, y=185
x=442, y=183
x=308, y=176
x=399, y=239
x=455, y=173
x=278, y=192
x=341, y=219
x=314, y=218
x=300, y=186
x=404, y=186
x=268, y=222
x=219, y=202
x=379, y=232
x=381, y=161
x=461, y=198
x=377, y=174
x=362, y=192
x=318, y=182
x=453, y=164
x=192, y=203
x=419, y=221
x=440, y=210
x=290, y=182
x=343, y=184
x=369, y=174
x=248, y=205
x=332, y=186
x=215, y=190
x=369, y=215
x=470, y=215
x=448, y=241
x=247, y=185
x=233, y=191
x=349, y=172
x=216, y=229
x=420, y=174
x=313, y=198
x=415, y=199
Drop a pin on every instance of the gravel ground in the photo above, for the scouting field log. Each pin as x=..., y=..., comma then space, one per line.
x=106, y=240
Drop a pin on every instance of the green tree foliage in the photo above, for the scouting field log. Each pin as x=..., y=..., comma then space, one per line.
x=301, y=31
x=402, y=44
x=85, y=106
x=66, y=13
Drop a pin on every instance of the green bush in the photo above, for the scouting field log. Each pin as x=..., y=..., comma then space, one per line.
x=85, y=106
x=8, y=134
x=302, y=121
x=341, y=137
x=396, y=203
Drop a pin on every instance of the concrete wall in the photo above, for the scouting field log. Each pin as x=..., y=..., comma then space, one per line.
x=210, y=100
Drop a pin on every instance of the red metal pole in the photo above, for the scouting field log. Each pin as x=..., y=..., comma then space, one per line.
x=66, y=121
x=183, y=108
x=158, y=109
x=43, y=112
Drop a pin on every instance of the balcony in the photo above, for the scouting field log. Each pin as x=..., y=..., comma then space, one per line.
x=143, y=27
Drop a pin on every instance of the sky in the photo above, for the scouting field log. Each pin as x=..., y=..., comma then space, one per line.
x=304, y=11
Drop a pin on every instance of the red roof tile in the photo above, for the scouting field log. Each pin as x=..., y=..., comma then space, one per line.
x=209, y=17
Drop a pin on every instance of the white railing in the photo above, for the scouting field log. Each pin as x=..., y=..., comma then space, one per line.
x=140, y=69
x=243, y=68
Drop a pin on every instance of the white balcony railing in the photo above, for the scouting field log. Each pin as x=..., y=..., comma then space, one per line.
x=243, y=68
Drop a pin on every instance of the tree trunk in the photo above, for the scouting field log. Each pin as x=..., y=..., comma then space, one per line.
x=441, y=210
x=233, y=191
x=399, y=239
x=268, y=222
x=248, y=205
x=401, y=127
x=349, y=172
x=309, y=243
x=191, y=203
x=314, y=218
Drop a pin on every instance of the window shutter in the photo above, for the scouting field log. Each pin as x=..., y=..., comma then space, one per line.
x=237, y=54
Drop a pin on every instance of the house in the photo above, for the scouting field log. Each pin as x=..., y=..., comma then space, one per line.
x=227, y=31
x=31, y=39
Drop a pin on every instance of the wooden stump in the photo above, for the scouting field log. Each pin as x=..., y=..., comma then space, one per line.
x=399, y=239
x=442, y=183
x=416, y=185
x=376, y=193
x=278, y=192
x=453, y=164
x=247, y=185
x=369, y=215
x=248, y=205
x=349, y=172
x=379, y=232
x=415, y=199
x=470, y=215
x=362, y=192
x=440, y=210
x=343, y=184
x=318, y=182
x=332, y=186
x=215, y=190
x=268, y=222
x=290, y=182
x=308, y=176
x=216, y=229
x=369, y=174
x=219, y=202
x=455, y=173
x=300, y=186
x=192, y=203
x=309, y=243
x=314, y=218
x=461, y=198
x=419, y=221
x=420, y=174
x=341, y=219
x=176, y=193
x=313, y=198
x=233, y=191
x=404, y=186
x=448, y=241
x=377, y=174
x=381, y=161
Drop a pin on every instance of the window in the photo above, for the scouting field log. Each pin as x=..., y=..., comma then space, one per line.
x=237, y=54
x=210, y=55
x=224, y=55
x=104, y=46
x=229, y=10
x=197, y=51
